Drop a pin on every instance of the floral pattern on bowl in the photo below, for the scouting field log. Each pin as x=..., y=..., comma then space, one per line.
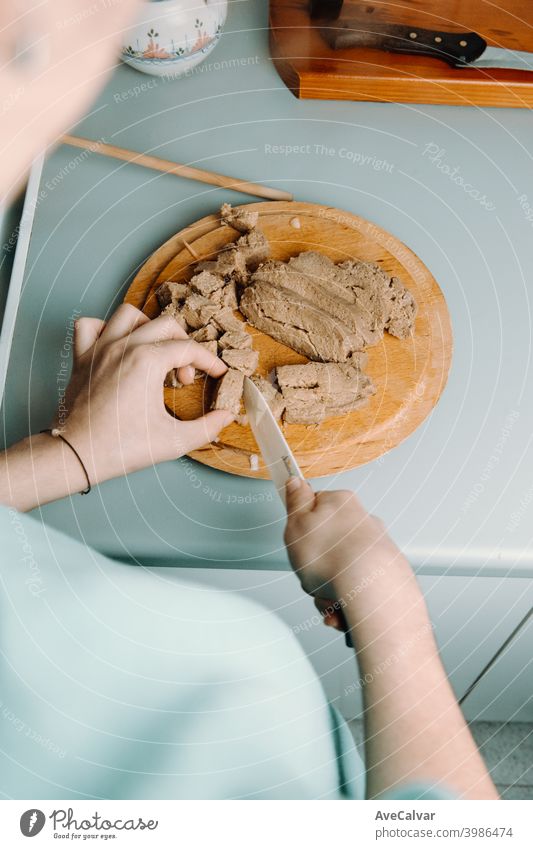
x=170, y=39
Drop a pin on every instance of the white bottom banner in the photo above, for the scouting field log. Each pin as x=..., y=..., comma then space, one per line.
x=268, y=824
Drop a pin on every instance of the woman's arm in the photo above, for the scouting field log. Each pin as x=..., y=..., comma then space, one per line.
x=37, y=470
x=113, y=413
x=414, y=728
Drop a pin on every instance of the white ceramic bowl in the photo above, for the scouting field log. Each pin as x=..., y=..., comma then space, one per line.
x=171, y=37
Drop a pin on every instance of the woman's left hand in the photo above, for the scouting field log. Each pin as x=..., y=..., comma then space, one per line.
x=113, y=412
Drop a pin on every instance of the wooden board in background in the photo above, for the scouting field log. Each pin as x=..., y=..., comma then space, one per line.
x=311, y=69
x=409, y=374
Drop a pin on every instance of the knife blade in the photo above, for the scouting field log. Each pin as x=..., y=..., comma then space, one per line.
x=277, y=455
x=460, y=50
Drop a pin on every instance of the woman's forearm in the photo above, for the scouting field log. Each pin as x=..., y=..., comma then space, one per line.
x=414, y=728
x=38, y=470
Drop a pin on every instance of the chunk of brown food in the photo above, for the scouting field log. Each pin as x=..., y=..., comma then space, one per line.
x=230, y=264
x=403, y=310
x=229, y=392
x=198, y=311
x=176, y=312
x=317, y=391
x=172, y=293
x=271, y=395
x=225, y=320
x=254, y=247
x=358, y=359
x=205, y=283
x=298, y=323
x=245, y=361
x=239, y=340
x=241, y=218
x=227, y=296
x=205, y=334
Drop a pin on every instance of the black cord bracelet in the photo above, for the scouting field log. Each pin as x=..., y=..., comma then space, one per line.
x=55, y=434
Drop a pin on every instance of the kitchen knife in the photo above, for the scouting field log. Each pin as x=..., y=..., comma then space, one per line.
x=325, y=8
x=277, y=455
x=460, y=50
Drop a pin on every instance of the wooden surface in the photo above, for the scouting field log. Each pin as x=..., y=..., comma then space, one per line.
x=409, y=375
x=311, y=69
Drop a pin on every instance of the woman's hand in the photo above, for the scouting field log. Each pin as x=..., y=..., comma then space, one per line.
x=332, y=542
x=113, y=413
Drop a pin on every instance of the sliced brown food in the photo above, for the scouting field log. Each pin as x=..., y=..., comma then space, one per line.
x=227, y=296
x=239, y=340
x=317, y=391
x=358, y=359
x=337, y=301
x=387, y=298
x=358, y=274
x=326, y=311
x=403, y=310
x=229, y=392
x=205, y=283
x=297, y=323
x=198, y=311
x=271, y=395
x=172, y=293
x=210, y=345
x=230, y=264
x=245, y=361
x=225, y=320
x=242, y=220
x=176, y=312
x=254, y=247
x=205, y=334
x=385, y=301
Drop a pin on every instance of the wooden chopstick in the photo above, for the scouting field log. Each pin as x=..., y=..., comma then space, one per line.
x=169, y=167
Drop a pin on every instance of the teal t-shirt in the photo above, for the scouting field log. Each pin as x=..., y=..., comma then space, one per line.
x=119, y=681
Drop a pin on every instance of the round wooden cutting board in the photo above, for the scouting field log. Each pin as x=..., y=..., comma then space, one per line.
x=409, y=375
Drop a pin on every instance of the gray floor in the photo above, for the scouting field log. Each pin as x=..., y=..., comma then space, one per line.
x=507, y=749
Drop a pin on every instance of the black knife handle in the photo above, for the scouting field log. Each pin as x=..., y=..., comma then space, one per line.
x=452, y=47
x=327, y=9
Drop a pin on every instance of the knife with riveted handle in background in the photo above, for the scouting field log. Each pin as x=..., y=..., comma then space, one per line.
x=460, y=50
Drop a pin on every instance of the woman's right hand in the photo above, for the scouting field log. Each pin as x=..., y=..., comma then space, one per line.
x=333, y=543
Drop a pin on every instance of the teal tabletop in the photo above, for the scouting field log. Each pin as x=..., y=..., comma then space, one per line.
x=455, y=184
